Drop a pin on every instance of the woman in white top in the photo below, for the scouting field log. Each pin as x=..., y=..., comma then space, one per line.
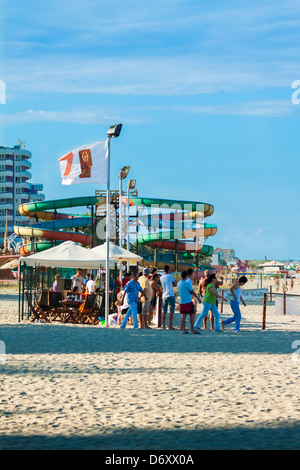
x=235, y=299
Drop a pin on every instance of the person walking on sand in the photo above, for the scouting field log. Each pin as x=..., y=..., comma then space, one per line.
x=145, y=299
x=235, y=299
x=209, y=302
x=201, y=291
x=132, y=289
x=187, y=307
x=168, y=283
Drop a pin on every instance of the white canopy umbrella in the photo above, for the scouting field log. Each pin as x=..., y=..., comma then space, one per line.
x=116, y=252
x=66, y=255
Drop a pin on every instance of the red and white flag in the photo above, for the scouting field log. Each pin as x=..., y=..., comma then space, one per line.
x=88, y=164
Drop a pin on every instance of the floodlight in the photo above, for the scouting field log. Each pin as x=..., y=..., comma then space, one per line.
x=124, y=172
x=131, y=184
x=114, y=131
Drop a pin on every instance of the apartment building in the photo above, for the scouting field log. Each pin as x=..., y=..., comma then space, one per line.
x=228, y=254
x=15, y=188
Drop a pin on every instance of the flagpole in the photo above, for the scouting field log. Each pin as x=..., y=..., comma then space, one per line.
x=113, y=131
x=107, y=234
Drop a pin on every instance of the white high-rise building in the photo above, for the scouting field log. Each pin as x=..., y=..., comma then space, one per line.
x=15, y=188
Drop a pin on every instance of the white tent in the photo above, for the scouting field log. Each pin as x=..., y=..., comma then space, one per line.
x=66, y=255
x=116, y=252
x=271, y=264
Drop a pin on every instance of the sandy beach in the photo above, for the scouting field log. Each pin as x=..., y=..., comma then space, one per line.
x=89, y=387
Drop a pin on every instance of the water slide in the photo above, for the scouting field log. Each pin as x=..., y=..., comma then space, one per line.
x=53, y=225
x=176, y=229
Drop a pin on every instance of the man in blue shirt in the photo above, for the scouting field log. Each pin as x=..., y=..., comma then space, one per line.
x=132, y=290
x=186, y=292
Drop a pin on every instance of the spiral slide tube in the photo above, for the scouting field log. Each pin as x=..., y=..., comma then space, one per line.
x=53, y=222
x=175, y=230
x=178, y=233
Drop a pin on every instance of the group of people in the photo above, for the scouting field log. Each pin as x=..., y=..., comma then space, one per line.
x=79, y=285
x=148, y=286
x=137, y=298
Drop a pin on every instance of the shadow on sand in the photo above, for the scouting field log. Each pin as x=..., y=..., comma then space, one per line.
x=284, y=437
x=72, y=339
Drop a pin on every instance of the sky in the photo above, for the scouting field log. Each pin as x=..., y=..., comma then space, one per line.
x=204, y=91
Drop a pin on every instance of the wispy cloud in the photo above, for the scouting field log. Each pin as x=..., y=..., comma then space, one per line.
x=180, y=75
x=175, y=47
x=77, y=116
x=146, y=114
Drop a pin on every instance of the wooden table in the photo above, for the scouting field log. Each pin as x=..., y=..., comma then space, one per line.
x=70, y=307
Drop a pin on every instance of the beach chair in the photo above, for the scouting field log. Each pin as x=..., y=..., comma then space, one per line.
x=88, y=311
x=57, y=311
x=43, y=299
x=37, y=313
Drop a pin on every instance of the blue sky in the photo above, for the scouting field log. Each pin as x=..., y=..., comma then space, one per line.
x=204, y=92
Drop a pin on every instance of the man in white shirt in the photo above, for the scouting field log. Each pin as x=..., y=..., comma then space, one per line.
x=168, y=282
x=78, y=281
x=91, y=285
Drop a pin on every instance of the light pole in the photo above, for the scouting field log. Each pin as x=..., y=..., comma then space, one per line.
x=123, y=174
x=113, y=131
x=130, y=186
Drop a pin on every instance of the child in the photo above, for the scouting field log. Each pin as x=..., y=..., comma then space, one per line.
x=235, y=299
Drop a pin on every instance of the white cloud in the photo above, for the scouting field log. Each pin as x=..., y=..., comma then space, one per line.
x=192, y=49
x=90, y=115
x=144, y=114
x=180, y=75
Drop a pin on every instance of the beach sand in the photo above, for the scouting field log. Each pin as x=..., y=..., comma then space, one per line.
x=89, y=387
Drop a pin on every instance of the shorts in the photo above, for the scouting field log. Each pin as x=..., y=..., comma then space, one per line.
x=169, y=301
x=123, y=311
x=145, y=307
x=187, y=309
